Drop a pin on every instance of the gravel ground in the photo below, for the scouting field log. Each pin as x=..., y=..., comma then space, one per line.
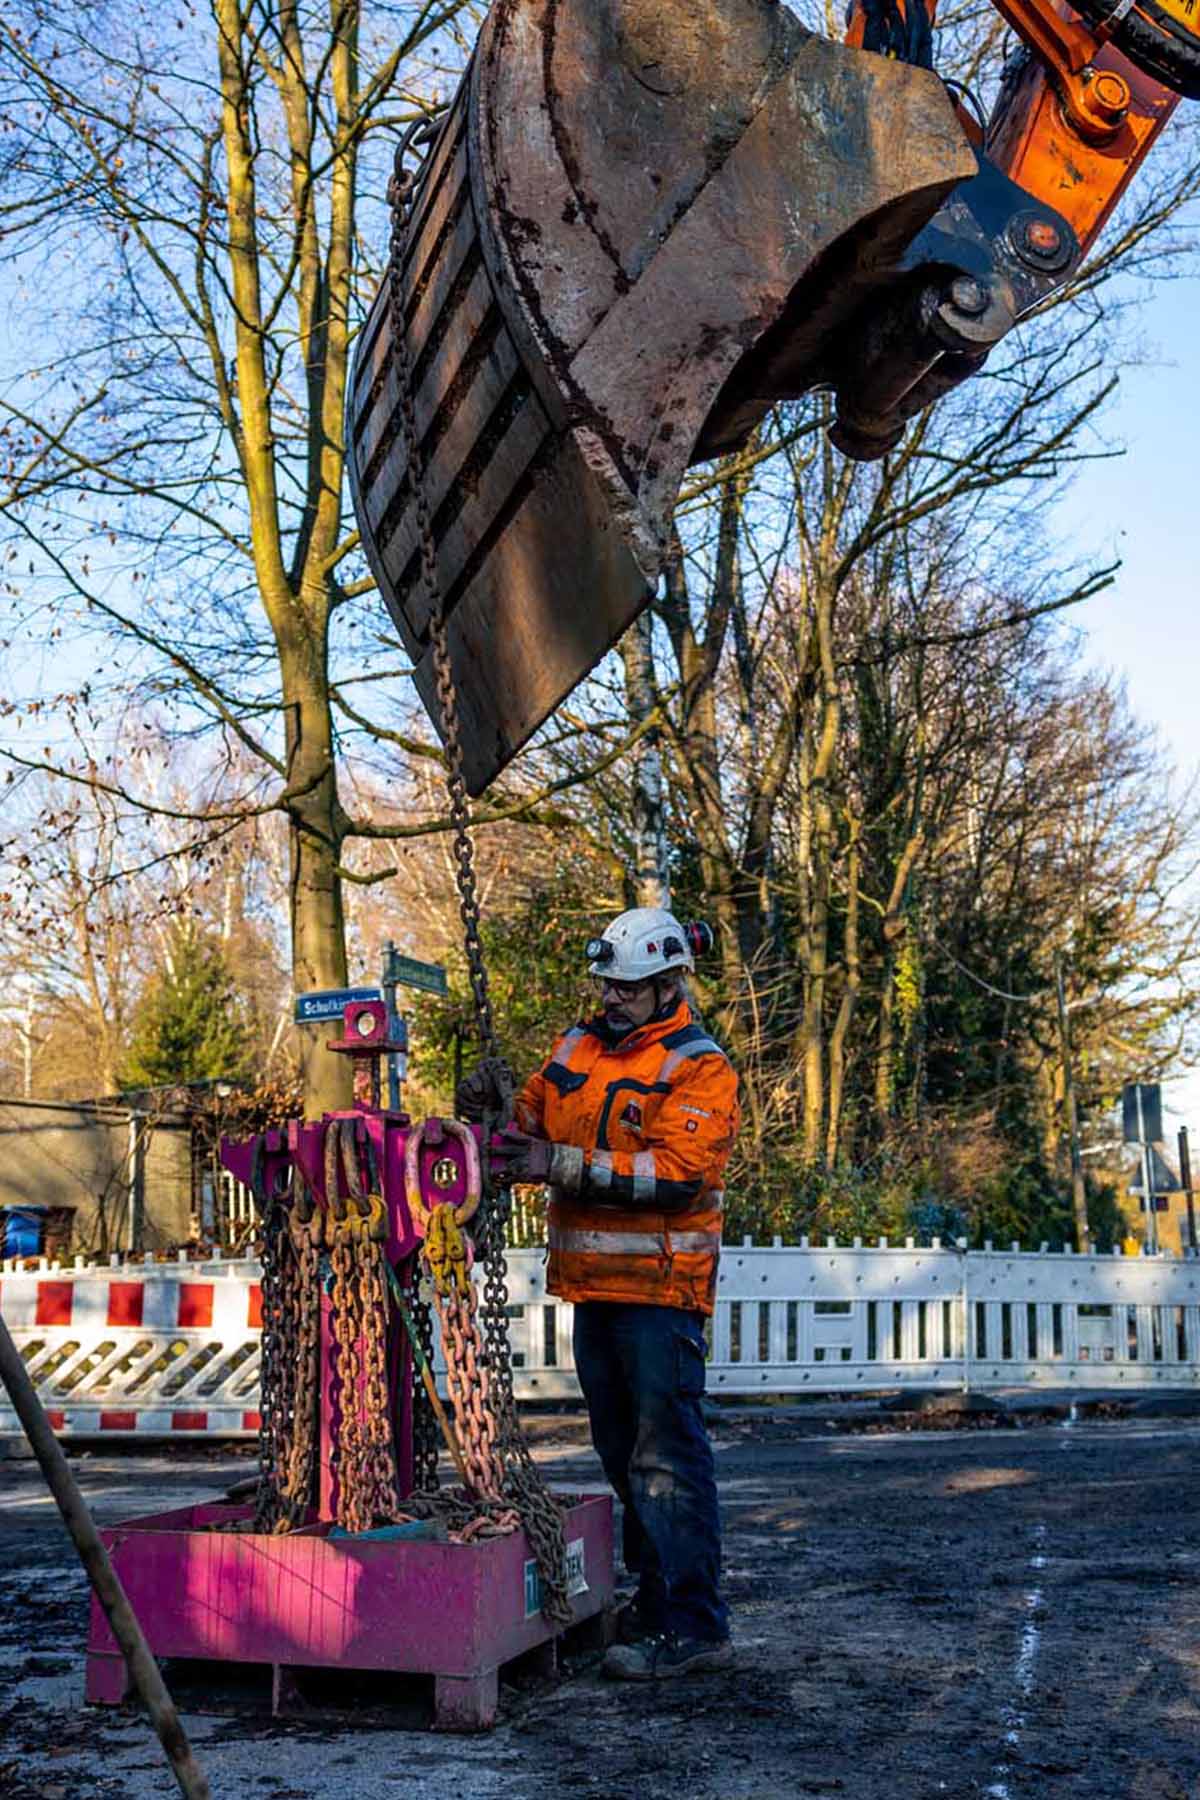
x=919, y=1614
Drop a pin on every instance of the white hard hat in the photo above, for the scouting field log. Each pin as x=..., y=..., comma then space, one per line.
x=644, y=942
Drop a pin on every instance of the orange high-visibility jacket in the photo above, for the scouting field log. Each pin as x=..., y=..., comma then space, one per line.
x=644, y=1128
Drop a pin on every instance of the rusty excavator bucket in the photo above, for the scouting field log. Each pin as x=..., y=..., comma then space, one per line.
x=642, y=223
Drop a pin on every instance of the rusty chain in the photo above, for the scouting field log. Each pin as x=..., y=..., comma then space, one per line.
x=355, y=1227
x=425, y=1436
x=400, y=190
x=289, y=1365
x=277, y=1367
x=522, y=1481
x=297, y=1485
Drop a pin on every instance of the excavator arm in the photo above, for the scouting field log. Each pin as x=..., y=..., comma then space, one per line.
x=1080, y=106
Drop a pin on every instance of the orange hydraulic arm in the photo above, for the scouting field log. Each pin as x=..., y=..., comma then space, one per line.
x=1075, y=116
x=1076, y=119
x=1079, y=108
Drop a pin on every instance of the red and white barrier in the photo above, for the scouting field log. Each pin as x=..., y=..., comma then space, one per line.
x=173, y=1349
x=141, y=1349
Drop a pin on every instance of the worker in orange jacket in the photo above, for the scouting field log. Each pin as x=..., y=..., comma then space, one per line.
x=631, y=1122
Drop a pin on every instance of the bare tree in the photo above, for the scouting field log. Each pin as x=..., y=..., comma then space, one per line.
x=184, y=195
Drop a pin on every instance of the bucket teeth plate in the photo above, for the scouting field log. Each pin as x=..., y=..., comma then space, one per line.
x=642, y=224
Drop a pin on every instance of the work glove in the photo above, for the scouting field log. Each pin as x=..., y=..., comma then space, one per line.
x=518, y=1157
x=479, y=1092
x=515, y=1156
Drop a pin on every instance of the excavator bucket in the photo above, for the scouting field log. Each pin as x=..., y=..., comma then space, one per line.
x=643, y=222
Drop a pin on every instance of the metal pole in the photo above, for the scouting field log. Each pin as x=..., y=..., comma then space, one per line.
x=1147, y=1179
x=137, y=1179
x=1078, y=1190
x=143, y=1670
x=1185, y=1180
x=388, y=985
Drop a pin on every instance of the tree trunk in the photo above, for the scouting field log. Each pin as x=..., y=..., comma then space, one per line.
x=650, y=875
x=315, y=887
x=894, y=927
x=885, y=1048
x=698, y=747
x=845, y=1017
x=824, y=764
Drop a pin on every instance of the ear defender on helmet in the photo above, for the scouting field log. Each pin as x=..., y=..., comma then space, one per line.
x=699, y=937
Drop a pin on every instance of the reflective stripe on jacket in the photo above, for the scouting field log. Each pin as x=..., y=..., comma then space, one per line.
x=647, y=1125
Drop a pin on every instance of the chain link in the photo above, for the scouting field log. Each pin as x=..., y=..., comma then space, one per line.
x=521, y=1480
x=400, y=190
x=426, y=1439
x=276, y=1367
x=289, y=1369
x=297, y=1485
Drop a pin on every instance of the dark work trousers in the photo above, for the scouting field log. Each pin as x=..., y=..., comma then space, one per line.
x=642, y=1373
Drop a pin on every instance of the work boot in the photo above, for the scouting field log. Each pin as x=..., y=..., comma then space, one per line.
x=633, y=1625
x=658, y=1659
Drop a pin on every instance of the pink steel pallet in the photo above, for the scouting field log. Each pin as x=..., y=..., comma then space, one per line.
x=305, y=1600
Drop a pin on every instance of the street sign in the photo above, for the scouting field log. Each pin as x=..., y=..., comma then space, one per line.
x=1150, y=1119
x=315, y=1009
x=1163, y=1178
x=408, y=972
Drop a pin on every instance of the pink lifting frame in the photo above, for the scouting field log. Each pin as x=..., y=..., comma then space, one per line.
x=453, y=1611
x=303, y=1599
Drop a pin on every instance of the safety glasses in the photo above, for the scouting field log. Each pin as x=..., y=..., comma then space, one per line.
x=620, y=990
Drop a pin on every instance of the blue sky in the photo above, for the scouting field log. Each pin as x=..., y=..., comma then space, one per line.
x=1144, y=506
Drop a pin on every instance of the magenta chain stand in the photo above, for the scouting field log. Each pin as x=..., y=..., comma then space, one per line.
x=207, y=1587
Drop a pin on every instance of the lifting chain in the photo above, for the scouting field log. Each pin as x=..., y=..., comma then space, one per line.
x=297, y=1483
x=277, y=1364
x=467, y=1375
x=523, y=1484
x=426, y=1439
x=355, y=1229
x=400, y=190
x=289, y=1355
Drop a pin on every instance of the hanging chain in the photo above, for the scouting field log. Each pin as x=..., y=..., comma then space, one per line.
x=540, y=1516
x=297, y=1485
x=400, y=191
x=355, y=1224
x=426, y=1441
x=276, y=1366
x=523, y=1483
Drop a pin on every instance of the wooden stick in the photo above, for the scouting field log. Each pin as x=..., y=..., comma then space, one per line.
x=143, y=1670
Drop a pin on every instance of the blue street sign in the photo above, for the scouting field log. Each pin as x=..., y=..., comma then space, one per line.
x=315, y=1009
x=410, y=973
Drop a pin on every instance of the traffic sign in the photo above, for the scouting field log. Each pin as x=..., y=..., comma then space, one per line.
x=316, y=1008
x=408, y=972
x=1162, y=1176
x=1141, y=1112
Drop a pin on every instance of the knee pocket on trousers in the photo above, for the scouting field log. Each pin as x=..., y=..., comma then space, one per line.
x=689, y=1366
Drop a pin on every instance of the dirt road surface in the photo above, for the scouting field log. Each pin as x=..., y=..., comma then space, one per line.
x=921, y=1615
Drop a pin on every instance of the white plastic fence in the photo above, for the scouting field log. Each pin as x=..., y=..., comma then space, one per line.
x=808, y=1320
x=175, y=1349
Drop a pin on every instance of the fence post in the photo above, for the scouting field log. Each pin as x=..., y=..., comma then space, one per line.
x=964, y=1302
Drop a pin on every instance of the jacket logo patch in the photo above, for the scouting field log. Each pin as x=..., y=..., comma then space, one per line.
x=632, y=1116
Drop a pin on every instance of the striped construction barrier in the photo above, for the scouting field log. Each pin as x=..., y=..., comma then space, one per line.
x=138, y=1350
x=173, y=1349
